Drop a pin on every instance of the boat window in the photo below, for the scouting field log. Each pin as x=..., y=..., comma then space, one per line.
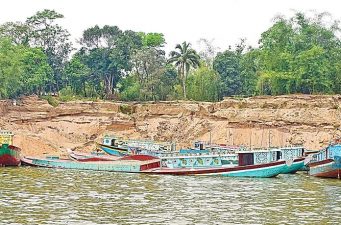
x=113, y=142
x=246, y=159
x=278, y=155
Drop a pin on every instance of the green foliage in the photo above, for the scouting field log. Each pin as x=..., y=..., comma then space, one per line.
x=107, y=54
x=227, y=64
x=23, y=70
x=126, y=109
x=53, y=39
x=203, y=85
x=299, y=55
x=152, y=39
x=51, y=100
x=130, y=89
x=296, y=55
x=184, y=59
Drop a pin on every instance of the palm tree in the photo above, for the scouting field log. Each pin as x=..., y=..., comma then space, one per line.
x=184, y=59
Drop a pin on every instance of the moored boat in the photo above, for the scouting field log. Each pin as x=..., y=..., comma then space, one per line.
x=118, y=146
x=265, y=170
x=293, y=156
x=127, y=165
x=9, y=154
x=327, y=163
x=113, y=150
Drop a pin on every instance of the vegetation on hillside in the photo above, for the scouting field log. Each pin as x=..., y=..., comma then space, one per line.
x=300, y=54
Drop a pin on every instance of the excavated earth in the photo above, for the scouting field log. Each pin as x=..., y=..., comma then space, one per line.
x=41, y=129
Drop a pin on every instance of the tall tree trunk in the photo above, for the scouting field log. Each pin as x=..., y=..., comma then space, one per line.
x=184, y=80
x=84, y=88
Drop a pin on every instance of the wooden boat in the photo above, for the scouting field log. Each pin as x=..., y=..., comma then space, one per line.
x=118, y=146
x=293, y=156
x=94, y=156
x=9, y=154
x=114, y=150
x=235, y=165
x=327, y=163
x=129, y=165
x=266, y=170
x=151, y=165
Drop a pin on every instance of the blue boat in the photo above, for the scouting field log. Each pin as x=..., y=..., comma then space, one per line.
x=243, y=169
x=293, y=156
x=113, y=145
x=114, y=150
x=327, y=162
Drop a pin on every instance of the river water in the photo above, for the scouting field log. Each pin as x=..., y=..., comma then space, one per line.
x=50, y=196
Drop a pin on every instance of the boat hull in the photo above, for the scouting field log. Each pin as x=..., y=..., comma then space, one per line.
x=297, y=165
x=9, y=155
x=266, y=170
x=116, y=151
x=328, y=168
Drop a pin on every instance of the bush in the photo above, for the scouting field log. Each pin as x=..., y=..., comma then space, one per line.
x=51, y=100
x=126, y=109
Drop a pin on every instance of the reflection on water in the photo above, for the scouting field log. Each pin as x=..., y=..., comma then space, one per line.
x=49, y=196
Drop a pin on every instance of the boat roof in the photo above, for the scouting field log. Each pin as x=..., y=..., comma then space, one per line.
x=6, y=132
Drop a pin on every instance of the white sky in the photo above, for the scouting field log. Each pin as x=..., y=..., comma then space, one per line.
x=225, y=21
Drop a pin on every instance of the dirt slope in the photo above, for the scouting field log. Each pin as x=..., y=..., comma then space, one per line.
x=285, y=120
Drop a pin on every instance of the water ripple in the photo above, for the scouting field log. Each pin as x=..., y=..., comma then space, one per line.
x=47, y=196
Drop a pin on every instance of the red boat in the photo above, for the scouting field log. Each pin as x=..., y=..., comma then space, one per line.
x=9, y=155
x=327, y=163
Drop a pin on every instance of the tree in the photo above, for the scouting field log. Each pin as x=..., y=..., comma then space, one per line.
x=151, y=78
x=227, y=65
x=23, y=70
x=184, y=58
x=203, y=84
x=18, y=32
x=155, y=40
x=107, y=53
x=208, y=51
x=300, y=54
x=53, y=39
x=78, y=76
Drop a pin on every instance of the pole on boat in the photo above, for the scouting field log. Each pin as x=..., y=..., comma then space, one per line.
x=250, y=138
x=232, y=139
x=269, y=138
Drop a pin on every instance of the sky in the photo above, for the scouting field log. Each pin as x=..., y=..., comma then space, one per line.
x=224, y=22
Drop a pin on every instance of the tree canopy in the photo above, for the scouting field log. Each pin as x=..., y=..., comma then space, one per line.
x=300, y=54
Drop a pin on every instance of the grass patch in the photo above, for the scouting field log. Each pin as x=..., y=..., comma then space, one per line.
x=51, y=100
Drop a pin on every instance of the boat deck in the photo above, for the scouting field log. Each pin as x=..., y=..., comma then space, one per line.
x=116, y=162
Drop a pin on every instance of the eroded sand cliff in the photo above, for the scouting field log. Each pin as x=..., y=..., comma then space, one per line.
x=284, y=120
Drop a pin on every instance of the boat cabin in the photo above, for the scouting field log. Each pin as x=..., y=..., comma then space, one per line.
x=141, y=144
x=6, y=137
x=198, y=161
x=255, y=157
x=202, y=145
x=328, y=153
